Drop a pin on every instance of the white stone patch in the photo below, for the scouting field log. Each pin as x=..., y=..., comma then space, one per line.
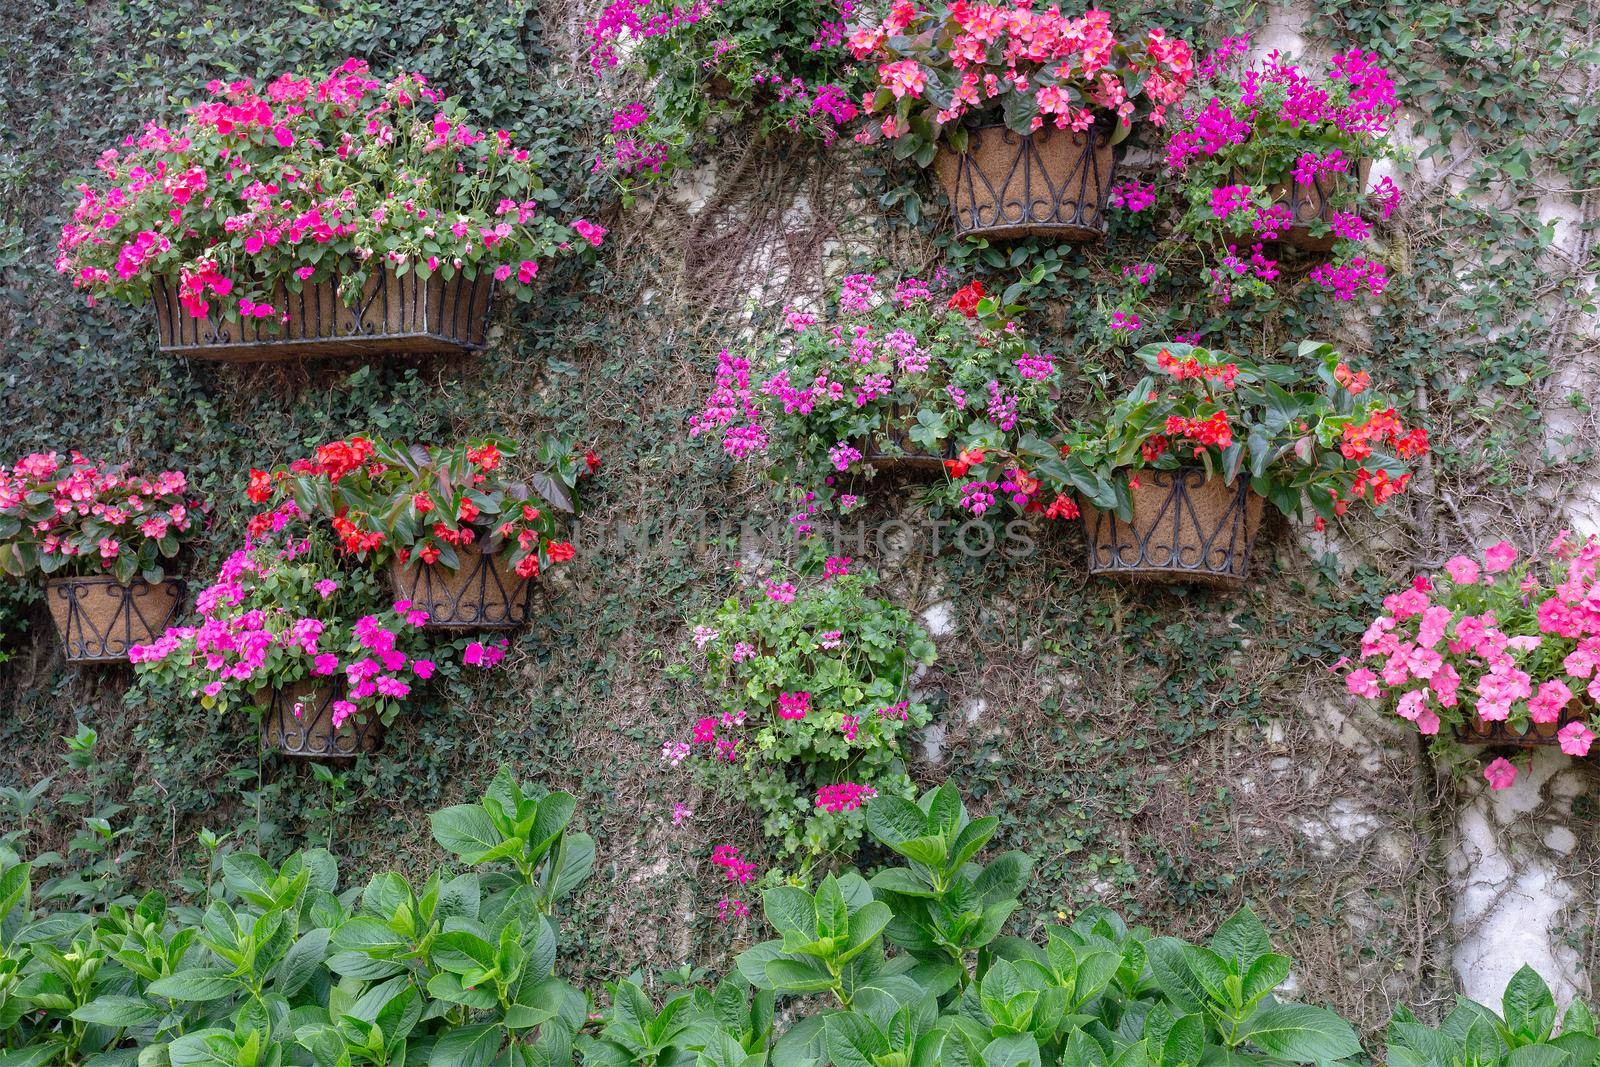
x=940, y=619
x=694, y=189
x=1510, y=898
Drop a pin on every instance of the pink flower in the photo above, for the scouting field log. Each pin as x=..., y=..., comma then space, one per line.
x=423, y=668
x=326, y=587
x=1500, y=774
x=1546, y=705
x=342, y=710
x=846, y=796
x=325, y=664
x=680, y=813
x=589, y=231
x=1363, y=683
x=478, y=654
x=1499, y=558
x=793, y=705
x=1575, y=739
x=1463, y=571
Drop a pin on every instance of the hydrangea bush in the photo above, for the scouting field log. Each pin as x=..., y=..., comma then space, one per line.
x=1322, y=438
x=900, y=366
x=1500, y=639
x=283, y=610
x=75, y=517
x=390, y=500
x=941, y=69
x=1235, y=149
x=809, y=687
x=695, y=64
x=315, y=177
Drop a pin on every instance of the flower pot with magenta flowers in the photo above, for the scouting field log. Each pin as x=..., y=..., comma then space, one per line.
x=463, y=538
x=809, y=678
x=1018, y=108
x=904, y=378
x=1277, y=152
x=687, y=73
x=1173, y=477
x=315, y=649
x=323, y=214
x=1497, y=649
x=100, y=539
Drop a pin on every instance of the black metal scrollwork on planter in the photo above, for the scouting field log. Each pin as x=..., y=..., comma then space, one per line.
x=483, y=593
x=1185, y=527
x=100, y=619
x=1050, y=183
x=396, y=314
x=298, y=721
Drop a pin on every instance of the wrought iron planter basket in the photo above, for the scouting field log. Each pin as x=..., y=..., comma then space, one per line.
x=100, y=619
x=484, y=593
x=1311, y=202
x=1476, y=731
x=1186, y=527
x=396, y=314
x=1049, y=183
x=298, y=721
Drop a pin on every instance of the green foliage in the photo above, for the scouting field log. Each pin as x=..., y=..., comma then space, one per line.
x=698, y=72
x=1522, y=1034
x=1320, y=438
x=812, y=688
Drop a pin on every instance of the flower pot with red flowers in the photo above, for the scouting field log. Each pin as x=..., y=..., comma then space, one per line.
x=1173, y=477
x=1018, y=108
x=902, y=378
x=1495, y=650
x=99, y=539
x=288, y=632
x=462, y=537
x=245, y=259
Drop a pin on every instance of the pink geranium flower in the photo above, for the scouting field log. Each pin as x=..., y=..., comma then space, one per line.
x=1500, y=774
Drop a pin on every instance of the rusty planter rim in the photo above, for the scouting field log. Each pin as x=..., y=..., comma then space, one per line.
x=1047, y=183
x=1186, y=527
x=402, y=314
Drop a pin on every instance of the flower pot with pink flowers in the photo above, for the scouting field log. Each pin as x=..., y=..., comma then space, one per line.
x=312, y=648
x=1174, y=477
x=100, y=539
x=1018, y=108
x=1494, y=650
x=462, y=535
x=903, y=378
x=324, y=214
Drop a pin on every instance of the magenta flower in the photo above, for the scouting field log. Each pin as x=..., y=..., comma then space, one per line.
x=1500, y=774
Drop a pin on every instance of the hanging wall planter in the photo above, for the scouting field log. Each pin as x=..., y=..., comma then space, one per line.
x=1477, y=731
x=892, y=451
x=1312, y=203
x=483, y=593
x=1049, y=183
x=298, y=721
x=395, y=314
x=1185, y=527
x=100, y=619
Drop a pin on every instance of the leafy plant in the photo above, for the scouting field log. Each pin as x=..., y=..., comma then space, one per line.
x=77, y=517
x=1524, y=1032
x=901, y=369
x=811, y=685
x=322, y=176
x=390, y=500
x=943, y=69
x=686, y=71
x=1324, y=440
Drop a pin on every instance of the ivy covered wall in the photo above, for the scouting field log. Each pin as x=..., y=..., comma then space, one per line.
x=1169, y=753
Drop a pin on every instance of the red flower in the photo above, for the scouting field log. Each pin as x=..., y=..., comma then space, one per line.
x=487, y=457
x=560, y=551
x=339, y=458
x=423, y=503
x=467, y=511
x=529, y=566
x=965, y=299
x=591, y=460
x=1153, y=447
x=1062, y=507
x=260, y=487
x=428, y=553
x=530, y=513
